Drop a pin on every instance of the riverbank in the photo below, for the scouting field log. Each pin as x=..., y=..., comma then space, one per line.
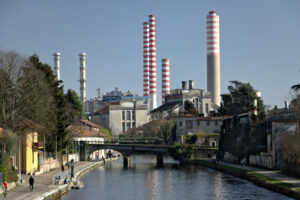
x=63, y=189
x=43, y=187
x=269, y=179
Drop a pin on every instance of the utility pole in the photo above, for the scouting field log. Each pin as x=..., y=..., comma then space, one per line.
x=20, y=178
x=56, y=153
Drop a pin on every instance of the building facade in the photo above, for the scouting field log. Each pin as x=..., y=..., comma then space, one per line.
x=121, y=116
x=200, y=98
x=189, y=124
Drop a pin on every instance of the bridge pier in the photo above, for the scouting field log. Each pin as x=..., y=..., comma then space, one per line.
x=126, y=161
x=159, y=160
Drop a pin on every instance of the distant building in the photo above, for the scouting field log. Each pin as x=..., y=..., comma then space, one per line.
x=93, y=105
x=201, y=99
x=89, y=135
x=121, y=116
x=189, y=124
x=165, y=110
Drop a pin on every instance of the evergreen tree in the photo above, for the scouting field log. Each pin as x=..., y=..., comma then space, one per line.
x=240, y=100
x=74, y=107
x=61, y=118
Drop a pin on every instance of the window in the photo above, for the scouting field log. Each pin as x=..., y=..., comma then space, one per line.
x=198, y=123
x=128, y=117
x=213, y=144
x=133, y=125
x=123, y=126
x=189, y=124
x=123, y=115
x=216, y=123
x=180, y=123
x=207, y=123
x=128, y=126
x=133, y=115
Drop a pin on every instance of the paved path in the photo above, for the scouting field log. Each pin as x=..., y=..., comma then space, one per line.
x=42, y=184
x=270, y=173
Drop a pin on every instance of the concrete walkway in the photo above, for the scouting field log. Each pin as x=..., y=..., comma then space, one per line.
x=42, y=183
x=270, y=173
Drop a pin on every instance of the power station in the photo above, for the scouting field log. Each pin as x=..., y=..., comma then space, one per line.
x=213, y=56
x=152, y=63
x=165, y=78
x=56, y=57
x=146, y=52
x=82, y=78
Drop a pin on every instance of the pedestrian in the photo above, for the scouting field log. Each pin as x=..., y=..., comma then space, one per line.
x=103, y=159
x=62, y=168
x=66, y=180
x=5, y=185
x=31, y=181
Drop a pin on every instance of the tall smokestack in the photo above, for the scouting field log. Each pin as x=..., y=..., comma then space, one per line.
x=82, y=79
x=213, y=56
x=146, y=59
x=165, y=73
x=56, y=57
x=152, y=64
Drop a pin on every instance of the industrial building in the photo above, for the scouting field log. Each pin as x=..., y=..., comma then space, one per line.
x=121, y=116
x=213, y=56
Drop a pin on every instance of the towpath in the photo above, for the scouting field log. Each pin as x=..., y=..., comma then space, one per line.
x=270, y=173
x=42, y=184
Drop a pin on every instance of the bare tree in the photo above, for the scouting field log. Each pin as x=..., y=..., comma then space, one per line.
x=25, y=98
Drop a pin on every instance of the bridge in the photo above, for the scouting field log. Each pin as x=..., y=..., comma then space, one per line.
x=127, y=150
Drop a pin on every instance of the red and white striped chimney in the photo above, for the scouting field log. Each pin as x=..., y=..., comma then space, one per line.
x=213, y=56
x=152, y=64
x=165, y=71
x=146, y=74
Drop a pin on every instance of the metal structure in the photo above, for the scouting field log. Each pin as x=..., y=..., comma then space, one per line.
x=146, y=52
x=213, y=56
x=165, y=79
x=56, y=57
x=82, y=79
x=152, y=63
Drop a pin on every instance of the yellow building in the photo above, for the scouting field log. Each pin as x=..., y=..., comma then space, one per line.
x=29, y=152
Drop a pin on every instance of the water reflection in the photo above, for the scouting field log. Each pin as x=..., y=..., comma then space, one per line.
x=142, y=180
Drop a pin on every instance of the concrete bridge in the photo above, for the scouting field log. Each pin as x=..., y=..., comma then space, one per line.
x=127, y=150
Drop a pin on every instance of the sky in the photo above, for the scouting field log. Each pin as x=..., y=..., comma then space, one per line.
x=259, y=41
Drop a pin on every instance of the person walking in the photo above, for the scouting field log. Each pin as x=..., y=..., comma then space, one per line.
x=5, y=185
x=62, y=168
x=103, y=159
x=31, y=181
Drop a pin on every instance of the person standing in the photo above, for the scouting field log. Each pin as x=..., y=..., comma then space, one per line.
x=31, y=181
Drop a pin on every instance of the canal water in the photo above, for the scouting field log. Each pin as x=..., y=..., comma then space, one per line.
x=143, y=181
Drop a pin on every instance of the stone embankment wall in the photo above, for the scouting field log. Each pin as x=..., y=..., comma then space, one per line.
x=244, y=174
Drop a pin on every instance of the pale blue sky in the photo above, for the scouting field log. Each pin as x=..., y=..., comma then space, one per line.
x=259, y=41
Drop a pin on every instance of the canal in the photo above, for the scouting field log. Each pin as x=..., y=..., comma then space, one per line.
x=142, y=180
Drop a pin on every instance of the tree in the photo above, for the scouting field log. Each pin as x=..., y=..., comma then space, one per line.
x=24, y=94
x=241, y=100
x=61, y=118
x=74, y=107
x=190, y=108
x=167, y=131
